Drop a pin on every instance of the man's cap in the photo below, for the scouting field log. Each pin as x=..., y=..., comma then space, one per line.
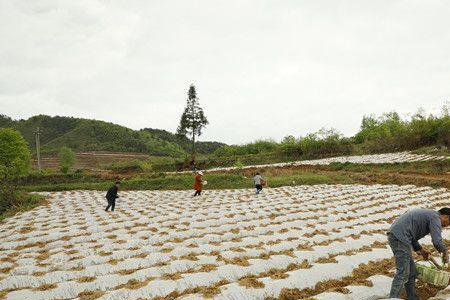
x=200, y=172
x=445, y=211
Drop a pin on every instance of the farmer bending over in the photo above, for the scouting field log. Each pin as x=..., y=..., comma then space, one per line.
x=404, y=234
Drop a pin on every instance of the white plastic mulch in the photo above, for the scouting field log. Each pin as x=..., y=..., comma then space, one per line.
x=162, y=242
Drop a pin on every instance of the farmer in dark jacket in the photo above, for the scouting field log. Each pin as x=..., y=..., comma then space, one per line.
x=404, y=235
x=111, y=196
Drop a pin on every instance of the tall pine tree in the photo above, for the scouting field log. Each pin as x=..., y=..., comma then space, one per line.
x=193, y=119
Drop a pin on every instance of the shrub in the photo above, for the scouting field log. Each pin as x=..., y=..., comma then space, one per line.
x=14, y=155
x=146, y=166
x=325, y=142
x=66, y=159
x=238, y=164
x=22, y=202
x=132, y=165
x=291, y=146
x=14, y=162
x=390, y=133
x=160, y=163
x=257, y=147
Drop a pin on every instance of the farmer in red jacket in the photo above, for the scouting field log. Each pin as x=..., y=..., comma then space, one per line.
x=198, y=184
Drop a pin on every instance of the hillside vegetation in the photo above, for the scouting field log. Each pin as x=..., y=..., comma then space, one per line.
x=383, y=134
x=93, y=135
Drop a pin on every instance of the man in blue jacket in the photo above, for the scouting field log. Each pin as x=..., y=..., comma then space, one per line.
x=111, y=196
x=404, y=234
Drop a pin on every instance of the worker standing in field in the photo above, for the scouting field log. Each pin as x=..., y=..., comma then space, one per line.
x=259, y=182
x=404, y=235
x=198, y=184
x=111, y=196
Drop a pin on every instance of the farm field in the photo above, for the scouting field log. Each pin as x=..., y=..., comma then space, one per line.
x=385, y=158
x=97, y=159
x=90, y=160
x=296, y=242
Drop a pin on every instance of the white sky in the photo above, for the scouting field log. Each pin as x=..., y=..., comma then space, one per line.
x=263, y=69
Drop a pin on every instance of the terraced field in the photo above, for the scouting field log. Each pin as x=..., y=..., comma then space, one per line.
x=299, y=242
x=385, y=158
x=90, y=160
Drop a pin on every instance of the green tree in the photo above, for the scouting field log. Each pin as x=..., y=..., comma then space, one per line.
x=15, y=155
x=5, y=121
x=325, y=143
x=238, y=164
x=193, y=119
x=290, y=146
x=15, y=159
x=66, y=159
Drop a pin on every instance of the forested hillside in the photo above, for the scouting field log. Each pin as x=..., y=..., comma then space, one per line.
x=93, y=135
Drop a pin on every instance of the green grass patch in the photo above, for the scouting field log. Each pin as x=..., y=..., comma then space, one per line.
x=438, y=166
x=22, y=202
x=337, y=173
x=185, y=182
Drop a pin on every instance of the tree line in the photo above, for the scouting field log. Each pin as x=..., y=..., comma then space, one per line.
x=386, y=133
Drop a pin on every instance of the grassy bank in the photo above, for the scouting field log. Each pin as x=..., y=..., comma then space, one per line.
x=235, y=181
x=425, y=167
x=182, y=182
x=57, y=178
x=22, y=202
x=431, y=173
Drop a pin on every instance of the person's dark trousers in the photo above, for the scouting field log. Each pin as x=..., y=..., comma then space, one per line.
x=258, y=188
x=197, y=193
x=405, y=274
x=111, y=203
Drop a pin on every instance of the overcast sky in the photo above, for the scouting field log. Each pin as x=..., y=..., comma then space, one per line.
x=262, y=69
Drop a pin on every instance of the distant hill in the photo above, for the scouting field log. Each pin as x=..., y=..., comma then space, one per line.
x=93, y=135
